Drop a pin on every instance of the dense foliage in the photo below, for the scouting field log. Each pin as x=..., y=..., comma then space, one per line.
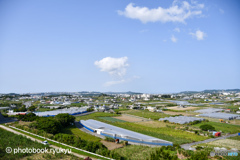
x=65, y=119
x=9, y=139
x=206, y=127
x=28, y=117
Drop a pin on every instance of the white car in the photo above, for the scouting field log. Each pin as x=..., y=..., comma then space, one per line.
x=45, y=143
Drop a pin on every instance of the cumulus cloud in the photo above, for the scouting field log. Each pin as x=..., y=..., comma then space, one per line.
x=199, y=35
x=113, y=66
x=176, y=30
x=179, y=11
x=173, y=38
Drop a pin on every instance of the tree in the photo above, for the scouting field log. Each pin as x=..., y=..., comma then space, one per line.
x=49, y=124
x=207, y=127
x=65, y=119
x=28, y=117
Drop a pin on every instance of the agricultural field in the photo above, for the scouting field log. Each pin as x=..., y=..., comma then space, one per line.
x=166, y=133
x=73, y=130
x=111, y=119
x=95, y=116
x=226, y=143
x=156, y=129
x=182, y=113
x=9, y=139
x=235, y=138
x=131, y=118
x=183, y=109
x=58, y=156
x=224, y=127
x=140, y=152
x=146, y=114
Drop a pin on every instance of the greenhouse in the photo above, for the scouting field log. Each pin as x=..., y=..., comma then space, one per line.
x=221, y=115
x=108, y=130
x=209, y=110
x=181, y=119
x=71, y=111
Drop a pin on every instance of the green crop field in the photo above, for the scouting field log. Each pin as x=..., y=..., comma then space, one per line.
x=111, y=119
x=235, y=138
x=135, y=152
x=95, y=115
x=146, y=114
x=9, y=139
x=224, y=127
x=166, y=133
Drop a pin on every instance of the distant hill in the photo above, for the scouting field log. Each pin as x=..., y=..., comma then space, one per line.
x=129, y=92
x=211, y=91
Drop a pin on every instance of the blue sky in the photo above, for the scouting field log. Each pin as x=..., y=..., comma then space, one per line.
x=145, y=46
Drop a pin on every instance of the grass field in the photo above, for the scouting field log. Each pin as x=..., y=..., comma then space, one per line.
x=146, y=114
x=111, y=119
x=96, y=115
x=224, y=127
x=226, y=143
x=235, y=138
x=77, y=132
x=135, y=152
x=166, y=133
x=9, y=139
x=156, y=129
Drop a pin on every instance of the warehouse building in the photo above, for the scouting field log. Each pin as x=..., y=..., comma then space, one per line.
x=108, y=130
x=71, y=111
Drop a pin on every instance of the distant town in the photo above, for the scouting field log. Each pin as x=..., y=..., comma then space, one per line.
x=113, y=122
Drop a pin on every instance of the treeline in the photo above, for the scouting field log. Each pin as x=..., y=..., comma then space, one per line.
x=54, y=126
x=51, y=125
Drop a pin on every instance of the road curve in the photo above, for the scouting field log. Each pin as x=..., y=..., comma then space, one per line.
x=188, y=145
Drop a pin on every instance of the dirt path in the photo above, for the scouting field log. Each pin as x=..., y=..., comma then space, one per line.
x=111, y=145
x=188, y=146
x=34, y=139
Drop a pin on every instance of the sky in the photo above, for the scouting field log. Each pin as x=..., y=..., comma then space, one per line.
x=150, y=46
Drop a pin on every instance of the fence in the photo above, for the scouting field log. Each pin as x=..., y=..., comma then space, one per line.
x=61, y=143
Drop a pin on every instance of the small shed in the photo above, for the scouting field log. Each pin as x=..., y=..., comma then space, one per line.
x=218, y=134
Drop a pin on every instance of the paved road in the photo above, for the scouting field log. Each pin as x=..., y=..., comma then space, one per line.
x=188, y=146
x=34, y=139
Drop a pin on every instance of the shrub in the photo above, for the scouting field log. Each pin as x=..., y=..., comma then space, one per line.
x=65, y=119
x=207, y=127
x=109, y=139
x=49, y=125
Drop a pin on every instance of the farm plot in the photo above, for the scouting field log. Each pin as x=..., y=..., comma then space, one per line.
x=130, y=118
x=226, y=143
x=183, y=109
x=111, y=119
x=165, y=133
x=146, y=114
x=224, y=127
x=177, y=113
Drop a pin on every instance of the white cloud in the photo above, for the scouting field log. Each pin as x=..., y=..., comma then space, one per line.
x=178, y=12
x=221, y=11
x=199, y=35
x=176, y=30
x=113, y=66
x=173, y=38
